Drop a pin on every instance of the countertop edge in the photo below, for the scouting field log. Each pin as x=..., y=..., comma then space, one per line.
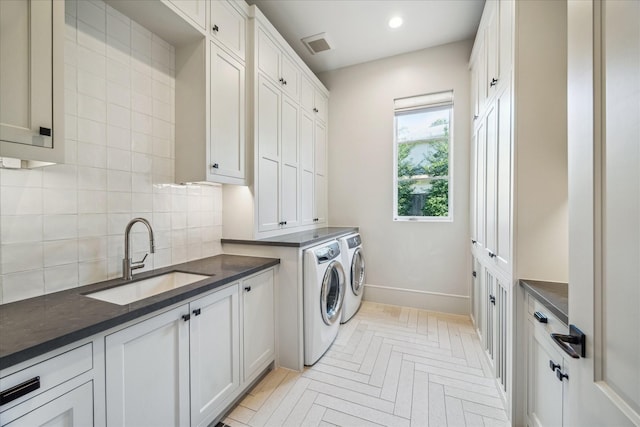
x=534, y=291
x=274, y=241
x=46, y=346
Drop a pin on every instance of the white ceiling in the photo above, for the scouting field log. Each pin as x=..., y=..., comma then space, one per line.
x=357, y=29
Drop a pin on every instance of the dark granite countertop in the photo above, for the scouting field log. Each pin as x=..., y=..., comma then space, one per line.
x=34, y=326
x=299, y=239
x=553, y=295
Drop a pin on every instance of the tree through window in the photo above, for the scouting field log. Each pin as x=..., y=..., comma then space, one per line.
x=422, y=156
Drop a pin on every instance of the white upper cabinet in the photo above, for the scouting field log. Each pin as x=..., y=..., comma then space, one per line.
x=313, y=100
x=211, y=77
x=491, y=46
x=195, y=10
x=227, y=116
x=229, y=26
x=307, y=168
x=278, y=155
x=274, y=63
x=32, y=81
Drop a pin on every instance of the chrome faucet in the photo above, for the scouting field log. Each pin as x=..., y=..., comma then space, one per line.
x=127, y=265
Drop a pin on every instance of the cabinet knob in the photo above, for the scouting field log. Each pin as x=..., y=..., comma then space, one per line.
x=284, y=82
x=474, y=274
x=281, y=80
x=473, y=242
x=475, y=117
x=45, y=131
x=215, y=28
x=492, y=255
x=494, y=82
x=492, y=299
x=215, y=166
x=553, y=366
x=561, y=375
x=186, y=317
x=247, y=288
x=315, y=110
x=196, y=312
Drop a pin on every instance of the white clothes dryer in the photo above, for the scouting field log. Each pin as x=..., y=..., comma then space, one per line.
x=323, y=289
x=353, y=261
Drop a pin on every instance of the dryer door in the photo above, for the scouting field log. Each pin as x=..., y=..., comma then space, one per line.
x=332, y=293
x=357, y=272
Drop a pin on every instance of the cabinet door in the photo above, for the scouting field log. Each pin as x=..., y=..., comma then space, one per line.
x=26, y=77
x=268, y=134
x=307, y=92
x=544, y=390
x=149, y=362
x=320, y=185
x=268, y=57
x=289, y=173
x=215, y=353
x=290, y=77
x=321, y=105
x=72, y=409
x=490, y=315
x=504, y=179
x=505, y=38
x=491, y=180
x=480, y=162
x=227, y=119
x=491, y=34
x=229, y=26
x=307, y=198
x=194, y=9
x=477, y=295
x=258, y=321
x=475, y=106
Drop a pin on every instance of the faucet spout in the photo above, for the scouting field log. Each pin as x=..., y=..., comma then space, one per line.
x=127, y=265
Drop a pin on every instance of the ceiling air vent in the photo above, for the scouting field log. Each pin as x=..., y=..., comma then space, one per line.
x=317, y=43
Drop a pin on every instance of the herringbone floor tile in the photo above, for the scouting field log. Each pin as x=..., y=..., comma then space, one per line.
x=389, y=366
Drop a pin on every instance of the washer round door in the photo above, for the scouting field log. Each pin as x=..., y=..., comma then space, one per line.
x=357, y=272
x=332, y=293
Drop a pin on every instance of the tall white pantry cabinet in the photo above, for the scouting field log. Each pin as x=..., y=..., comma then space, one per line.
x=518, y=171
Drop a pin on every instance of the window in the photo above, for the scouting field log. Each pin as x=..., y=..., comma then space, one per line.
x=422, y=172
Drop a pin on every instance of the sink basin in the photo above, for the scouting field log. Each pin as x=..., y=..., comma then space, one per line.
x=141, y=289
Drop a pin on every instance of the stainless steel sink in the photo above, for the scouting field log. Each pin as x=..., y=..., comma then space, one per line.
x=141, y=289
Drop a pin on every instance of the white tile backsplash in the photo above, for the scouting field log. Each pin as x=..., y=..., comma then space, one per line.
x=63, y=226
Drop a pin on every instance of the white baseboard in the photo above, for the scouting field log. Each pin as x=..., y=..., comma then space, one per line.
x=434, y=301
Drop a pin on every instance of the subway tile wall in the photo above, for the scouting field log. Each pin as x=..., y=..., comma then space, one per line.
x=62, y=226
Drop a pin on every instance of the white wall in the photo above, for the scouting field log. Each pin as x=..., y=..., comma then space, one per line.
x=63, y=226
x=424, y=264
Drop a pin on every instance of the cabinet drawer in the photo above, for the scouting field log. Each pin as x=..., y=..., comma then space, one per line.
x=553, y=324
x=51, y=372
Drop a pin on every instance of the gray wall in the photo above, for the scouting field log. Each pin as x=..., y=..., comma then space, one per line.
x=425, y=264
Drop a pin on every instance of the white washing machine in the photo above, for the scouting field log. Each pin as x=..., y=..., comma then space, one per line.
x=324, y=289
x=353, y=261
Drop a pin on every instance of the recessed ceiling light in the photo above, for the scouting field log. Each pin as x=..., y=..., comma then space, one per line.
x=395, y=22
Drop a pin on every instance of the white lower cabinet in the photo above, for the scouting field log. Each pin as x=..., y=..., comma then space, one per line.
x=56, y=389
x=149, y=362
x=187, y=361
x=192, y=350
x=547, y=369
x=71, y=409
x=215, y=353
x=491, y=309
x=258, y=323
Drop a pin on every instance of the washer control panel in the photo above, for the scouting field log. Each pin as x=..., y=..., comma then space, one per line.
x=327, y=253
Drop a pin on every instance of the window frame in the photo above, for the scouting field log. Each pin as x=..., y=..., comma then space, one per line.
x=403, y=106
